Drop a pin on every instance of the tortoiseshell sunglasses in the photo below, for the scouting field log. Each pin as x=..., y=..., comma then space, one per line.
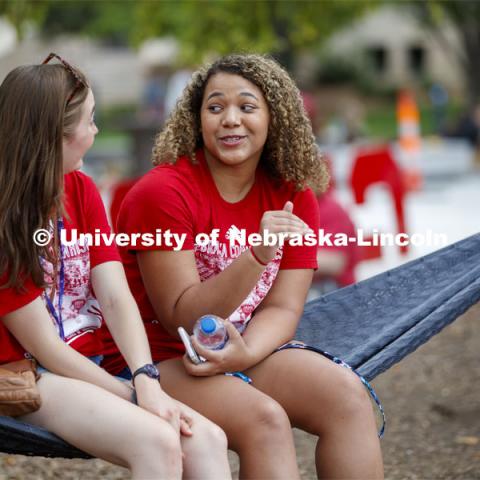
x=68, y=67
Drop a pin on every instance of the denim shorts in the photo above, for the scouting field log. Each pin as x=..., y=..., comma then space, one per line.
x=125, y=374
x=95, y=359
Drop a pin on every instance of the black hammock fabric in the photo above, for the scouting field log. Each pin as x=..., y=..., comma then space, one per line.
x=373, y=324
x=370, y=325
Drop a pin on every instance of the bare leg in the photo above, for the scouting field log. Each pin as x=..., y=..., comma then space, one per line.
x=206, y=451
x=327, y=400
x=257, y=427
x=108, y=427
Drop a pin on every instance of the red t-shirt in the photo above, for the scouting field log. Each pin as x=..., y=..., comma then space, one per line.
x=183, y=199
x=81, y=314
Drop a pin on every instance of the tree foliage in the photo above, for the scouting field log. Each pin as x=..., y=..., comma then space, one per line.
x=19, y=12
x=282, y=27
x=107, y=20
x=276, y=26
x=465, y=16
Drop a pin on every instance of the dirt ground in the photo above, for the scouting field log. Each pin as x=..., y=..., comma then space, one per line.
x=432, y=402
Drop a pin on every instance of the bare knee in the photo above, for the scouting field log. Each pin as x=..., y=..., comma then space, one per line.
x=163, y=438
x=264, y=425
x=157, y=442
x=351, y=396
x=215, y=436
x=267, y=416
x=206, y=435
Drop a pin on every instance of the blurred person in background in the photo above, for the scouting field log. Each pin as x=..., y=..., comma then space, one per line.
x=468, y=127
x=336, y=263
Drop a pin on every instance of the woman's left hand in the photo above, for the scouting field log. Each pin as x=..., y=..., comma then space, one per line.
x=234, y=357
x=152, y=398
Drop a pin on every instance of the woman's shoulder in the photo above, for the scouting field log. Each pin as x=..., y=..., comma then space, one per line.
x=285, y=190
x=181, y=177
x=167, y=191
x=79, y=182
x=78, y=177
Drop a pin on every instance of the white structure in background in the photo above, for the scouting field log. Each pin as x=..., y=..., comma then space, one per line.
x=164, y=84
x=158, y=52
x=175, y=86
x=399, y=49
x=116, y=73
x=8, y=37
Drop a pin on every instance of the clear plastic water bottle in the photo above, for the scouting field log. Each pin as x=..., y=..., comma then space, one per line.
x=210, y=332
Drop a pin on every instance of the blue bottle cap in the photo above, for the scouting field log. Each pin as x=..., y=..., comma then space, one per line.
x=208, y=325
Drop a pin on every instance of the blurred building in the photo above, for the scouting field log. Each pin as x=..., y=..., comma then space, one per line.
x=8, y=37
x=398, y=50
x=116, y=73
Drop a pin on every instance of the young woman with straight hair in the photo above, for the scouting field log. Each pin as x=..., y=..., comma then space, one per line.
x=53, y=297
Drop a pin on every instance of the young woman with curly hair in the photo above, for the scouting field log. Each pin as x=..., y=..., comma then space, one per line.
x=54, y=296
x=238, y=154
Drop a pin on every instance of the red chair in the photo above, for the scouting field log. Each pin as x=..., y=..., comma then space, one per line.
x=377, y=165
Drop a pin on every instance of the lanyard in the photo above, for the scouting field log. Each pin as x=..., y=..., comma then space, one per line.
x=57, y=314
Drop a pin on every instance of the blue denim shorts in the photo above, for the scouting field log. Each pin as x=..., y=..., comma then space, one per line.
x=125, y=374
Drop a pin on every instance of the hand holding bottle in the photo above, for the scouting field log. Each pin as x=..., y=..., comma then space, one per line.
x=234, y=356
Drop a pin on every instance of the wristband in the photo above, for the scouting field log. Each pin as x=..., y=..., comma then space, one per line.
x=257, y=259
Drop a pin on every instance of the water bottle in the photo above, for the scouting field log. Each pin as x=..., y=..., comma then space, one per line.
x=210, y=332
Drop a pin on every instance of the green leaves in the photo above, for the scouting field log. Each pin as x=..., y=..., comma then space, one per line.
x=202, y=27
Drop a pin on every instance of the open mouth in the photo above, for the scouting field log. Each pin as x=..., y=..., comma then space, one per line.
x=232, y=139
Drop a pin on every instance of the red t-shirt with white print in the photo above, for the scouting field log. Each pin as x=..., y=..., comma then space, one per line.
x=81, y=314
x=183, y=199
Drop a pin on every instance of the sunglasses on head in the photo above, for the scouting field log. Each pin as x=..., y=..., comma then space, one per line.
x=69, y=68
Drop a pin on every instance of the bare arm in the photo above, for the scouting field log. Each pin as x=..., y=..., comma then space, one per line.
x=179, y=298
x=124, y=322
x=276, y=319
x=121, y=313
x=274, y=324
x=32, y=327
x=174, y=288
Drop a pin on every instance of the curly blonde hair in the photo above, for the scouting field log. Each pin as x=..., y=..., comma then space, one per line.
x=290, y=152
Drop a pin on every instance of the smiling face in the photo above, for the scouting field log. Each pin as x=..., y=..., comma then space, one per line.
x=234, y=120
x=76, y=145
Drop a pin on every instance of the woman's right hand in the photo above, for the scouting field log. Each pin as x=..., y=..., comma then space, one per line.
x=281, y=223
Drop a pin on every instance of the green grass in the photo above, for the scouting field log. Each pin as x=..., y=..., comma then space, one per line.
x=381, y=122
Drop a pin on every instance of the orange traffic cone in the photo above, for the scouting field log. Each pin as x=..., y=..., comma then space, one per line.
x=408, y=119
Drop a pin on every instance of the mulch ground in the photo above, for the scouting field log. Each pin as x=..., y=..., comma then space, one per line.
x=432, y=401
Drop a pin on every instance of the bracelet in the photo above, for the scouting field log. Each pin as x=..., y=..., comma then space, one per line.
x=257, y=259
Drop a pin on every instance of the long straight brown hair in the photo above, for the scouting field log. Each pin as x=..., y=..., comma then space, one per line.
x=34, y=120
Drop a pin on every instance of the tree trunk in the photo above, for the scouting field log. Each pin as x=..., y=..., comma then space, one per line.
x=284, y=53
x=470, y=34
x=465, y=16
